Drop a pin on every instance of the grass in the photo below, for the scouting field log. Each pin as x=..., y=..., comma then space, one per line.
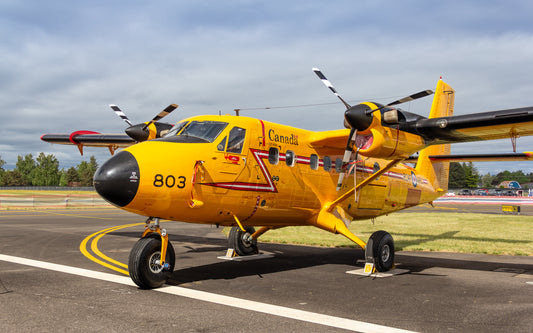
x=44, y=193
x=442, y=232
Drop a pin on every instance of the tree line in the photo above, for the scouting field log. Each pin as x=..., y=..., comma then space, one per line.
x=465, y=175
x=44, y=171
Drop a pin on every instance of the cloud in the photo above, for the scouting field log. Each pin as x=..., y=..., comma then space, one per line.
x=63, y=63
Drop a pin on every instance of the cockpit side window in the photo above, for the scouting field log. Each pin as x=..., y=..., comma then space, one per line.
x=236, y=140
x=222, y=145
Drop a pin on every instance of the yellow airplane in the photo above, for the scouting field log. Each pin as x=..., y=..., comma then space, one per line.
x=243, y=172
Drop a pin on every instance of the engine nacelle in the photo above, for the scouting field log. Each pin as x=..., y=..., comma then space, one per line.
x=388, y=143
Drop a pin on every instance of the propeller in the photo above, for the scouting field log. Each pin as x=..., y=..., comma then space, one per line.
x=161, y=115
x=353, y=130
x=140, y=132
x=360, y=117
x=409, y=98
x=121, y=114
x=330, y=86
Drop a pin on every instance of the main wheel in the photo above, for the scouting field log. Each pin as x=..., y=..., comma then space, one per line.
x=382, y=250
x=143, y=263
x=240, y=241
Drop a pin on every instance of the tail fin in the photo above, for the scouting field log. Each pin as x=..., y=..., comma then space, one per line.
x=437, y=172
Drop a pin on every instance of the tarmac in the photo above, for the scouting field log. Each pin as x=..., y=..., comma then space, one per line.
x=64, y=270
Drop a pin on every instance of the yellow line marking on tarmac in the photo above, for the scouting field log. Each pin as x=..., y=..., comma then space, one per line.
x=111, y=263
x=94, y=246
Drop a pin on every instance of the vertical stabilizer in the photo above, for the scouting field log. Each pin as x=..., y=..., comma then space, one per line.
x=437, y=172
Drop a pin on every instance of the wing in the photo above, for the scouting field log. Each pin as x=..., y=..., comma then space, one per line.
x=330, y=142
x=511, y=123
x=90, y=139
x=525, y=156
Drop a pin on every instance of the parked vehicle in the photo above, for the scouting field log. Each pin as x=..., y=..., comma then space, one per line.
x=495, y=192
x=481, y=192
x=509, y=193
x=464, y=192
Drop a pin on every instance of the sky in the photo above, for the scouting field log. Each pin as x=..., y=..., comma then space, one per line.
x=63, y=62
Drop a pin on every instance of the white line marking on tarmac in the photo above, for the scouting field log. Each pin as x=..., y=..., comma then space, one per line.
x=276, y=310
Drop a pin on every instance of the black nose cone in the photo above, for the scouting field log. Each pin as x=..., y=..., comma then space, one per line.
x=117, y=180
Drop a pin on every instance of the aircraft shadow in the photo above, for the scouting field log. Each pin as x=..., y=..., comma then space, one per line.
x=293, y=257
x=287, y=258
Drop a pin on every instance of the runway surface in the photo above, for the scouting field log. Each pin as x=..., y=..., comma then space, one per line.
x=62, y=288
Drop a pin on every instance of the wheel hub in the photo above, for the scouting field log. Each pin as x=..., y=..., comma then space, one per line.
x=154, y=263
x=247, y=239
x=385, y=253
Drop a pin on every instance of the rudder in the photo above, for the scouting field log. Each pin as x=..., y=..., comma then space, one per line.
x=437, y=172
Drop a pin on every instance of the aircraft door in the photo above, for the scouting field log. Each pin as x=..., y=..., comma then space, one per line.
x=231, y=159
x=372, y=196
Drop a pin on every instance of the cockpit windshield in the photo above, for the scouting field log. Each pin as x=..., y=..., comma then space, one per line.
x=199, y=131
x=176, y=129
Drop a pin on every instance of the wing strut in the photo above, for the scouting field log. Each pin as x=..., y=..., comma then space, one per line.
x=331, y=205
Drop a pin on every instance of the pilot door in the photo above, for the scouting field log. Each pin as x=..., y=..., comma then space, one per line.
x=231, y=158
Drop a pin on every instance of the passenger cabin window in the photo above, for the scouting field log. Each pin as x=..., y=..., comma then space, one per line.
x=236, y=140
x=313, y=163
x=327, y=163
x=338, y=165
x=273, y=155
x=290, y=158
x=376, y=168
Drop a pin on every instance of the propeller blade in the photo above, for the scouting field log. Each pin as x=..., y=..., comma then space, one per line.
x=120, y=114
x=161, y=115
x=355, y=179
x=346, y=157
x=330, y=86
x=412, y=97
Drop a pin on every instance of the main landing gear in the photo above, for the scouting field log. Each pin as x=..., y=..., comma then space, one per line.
x=242, y=242
x=145, y=264
x=379, y=252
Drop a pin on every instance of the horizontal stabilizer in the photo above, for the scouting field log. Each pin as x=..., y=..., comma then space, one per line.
x=525, y=156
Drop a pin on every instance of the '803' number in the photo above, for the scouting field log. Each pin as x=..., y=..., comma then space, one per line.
x=169, y=181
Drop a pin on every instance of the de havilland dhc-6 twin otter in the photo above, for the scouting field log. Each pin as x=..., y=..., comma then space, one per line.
x=242, y=172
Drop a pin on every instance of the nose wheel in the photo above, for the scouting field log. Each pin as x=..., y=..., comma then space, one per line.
x=144, y=263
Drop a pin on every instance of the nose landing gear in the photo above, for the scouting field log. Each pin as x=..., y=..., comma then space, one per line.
x=146, y=265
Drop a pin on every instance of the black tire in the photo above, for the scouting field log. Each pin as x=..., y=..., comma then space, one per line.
x=141, y=264
x=238, y=240
x=382, y=250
